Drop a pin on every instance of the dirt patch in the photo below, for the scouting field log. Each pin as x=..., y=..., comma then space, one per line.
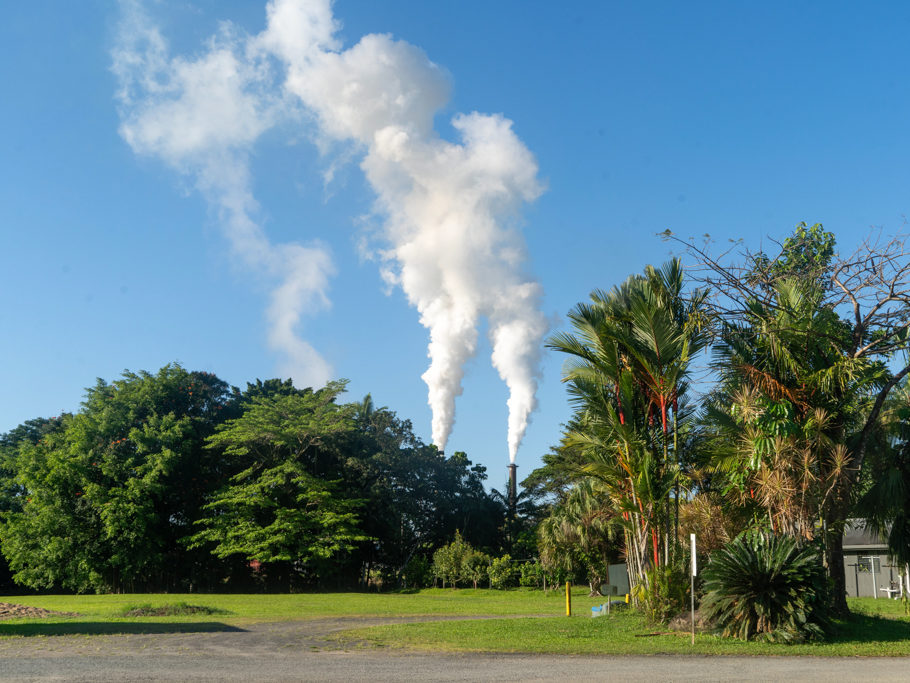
x=176, y=610
x=10, y=611
x=683, y=622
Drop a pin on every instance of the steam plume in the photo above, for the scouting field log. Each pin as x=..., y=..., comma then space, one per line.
x=202, y=117
x=449, y=208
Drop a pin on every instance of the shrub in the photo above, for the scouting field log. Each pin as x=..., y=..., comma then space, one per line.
x=449, y=561
x=765, y=586
x=475, y=567
x=502, y=573
x=169, y=610
x=664, y=592
x=556, y=577
x=531, y=574
x=417, y=572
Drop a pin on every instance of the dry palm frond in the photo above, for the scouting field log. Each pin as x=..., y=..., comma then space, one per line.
x=708, y=521
x=771, y=387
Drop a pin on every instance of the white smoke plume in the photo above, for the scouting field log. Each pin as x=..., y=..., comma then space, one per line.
x=202, y=117
x=449, y=208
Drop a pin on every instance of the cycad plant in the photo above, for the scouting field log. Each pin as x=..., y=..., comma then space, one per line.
x=766, y=586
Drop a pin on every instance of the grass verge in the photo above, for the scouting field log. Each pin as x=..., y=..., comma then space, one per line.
x=877, y=628
x=109, y=611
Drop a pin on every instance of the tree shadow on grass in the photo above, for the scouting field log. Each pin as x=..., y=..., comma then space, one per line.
x=94, y=628
x=865, y=628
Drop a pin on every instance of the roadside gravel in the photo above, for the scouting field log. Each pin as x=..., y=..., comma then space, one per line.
x=298, y=651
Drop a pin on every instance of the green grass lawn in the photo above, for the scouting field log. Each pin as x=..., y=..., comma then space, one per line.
x=624, y=633
x=530, y=621
x=876, y=628
x=237, y=610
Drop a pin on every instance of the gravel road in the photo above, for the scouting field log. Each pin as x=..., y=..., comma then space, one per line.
x=297, y=651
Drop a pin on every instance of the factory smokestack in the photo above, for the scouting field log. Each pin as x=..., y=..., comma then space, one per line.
x=513, y=500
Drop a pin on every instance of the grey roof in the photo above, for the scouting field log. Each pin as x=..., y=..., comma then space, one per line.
x=858, y=537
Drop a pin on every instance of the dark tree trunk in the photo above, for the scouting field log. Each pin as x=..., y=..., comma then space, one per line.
x=834, y=546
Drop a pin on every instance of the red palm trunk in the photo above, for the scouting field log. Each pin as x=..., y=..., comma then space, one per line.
x=654, y=543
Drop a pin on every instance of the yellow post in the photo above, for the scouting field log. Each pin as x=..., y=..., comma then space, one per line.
x=568, y=599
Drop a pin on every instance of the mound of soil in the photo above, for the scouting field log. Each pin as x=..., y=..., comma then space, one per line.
x=10, y=611
x=683, y=622
x=170, y=610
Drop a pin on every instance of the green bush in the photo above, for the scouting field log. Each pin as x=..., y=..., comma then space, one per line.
x=417, y=572
x=458, y=563
x=767, y=587
x=502, y=573
x=558, y=576
x=449, y=561
x=664, y=593
x=474, y=569
x=169, y=610
x=531, y=575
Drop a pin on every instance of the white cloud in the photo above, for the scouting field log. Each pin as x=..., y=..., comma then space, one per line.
x=202, y=116
x=449, y=210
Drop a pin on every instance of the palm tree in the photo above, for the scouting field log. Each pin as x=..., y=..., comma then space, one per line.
x=520, y=515
x=579, y=533
x=630, y=352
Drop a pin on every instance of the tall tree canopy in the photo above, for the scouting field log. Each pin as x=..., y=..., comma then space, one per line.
x=281, y=508
x=814, y=342
x=176, y=481
x=108, y=494
x=416, y=498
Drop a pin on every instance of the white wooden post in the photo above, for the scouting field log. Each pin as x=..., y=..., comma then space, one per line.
x=692, y=588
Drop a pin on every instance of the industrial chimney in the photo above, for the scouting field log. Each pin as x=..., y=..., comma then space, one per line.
x=513, y=500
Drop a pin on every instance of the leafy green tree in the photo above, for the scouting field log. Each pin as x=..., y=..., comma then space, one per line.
x=449, y=561
x=807, y=255
x=417, y=573
x=417, y=499
x=475, y=567
x=49, y=540
x=823, y=332
x=885, y=502
x=279, y=508
x=269, y=388
x=502, y=572
x=12, y=495
x=519, y=531
x=561, y=468
x=580, y=535
x=790, y=404
x=532, y=574
x=109, y=494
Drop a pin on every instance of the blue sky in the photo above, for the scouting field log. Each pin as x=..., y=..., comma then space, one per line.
x=734, y=119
